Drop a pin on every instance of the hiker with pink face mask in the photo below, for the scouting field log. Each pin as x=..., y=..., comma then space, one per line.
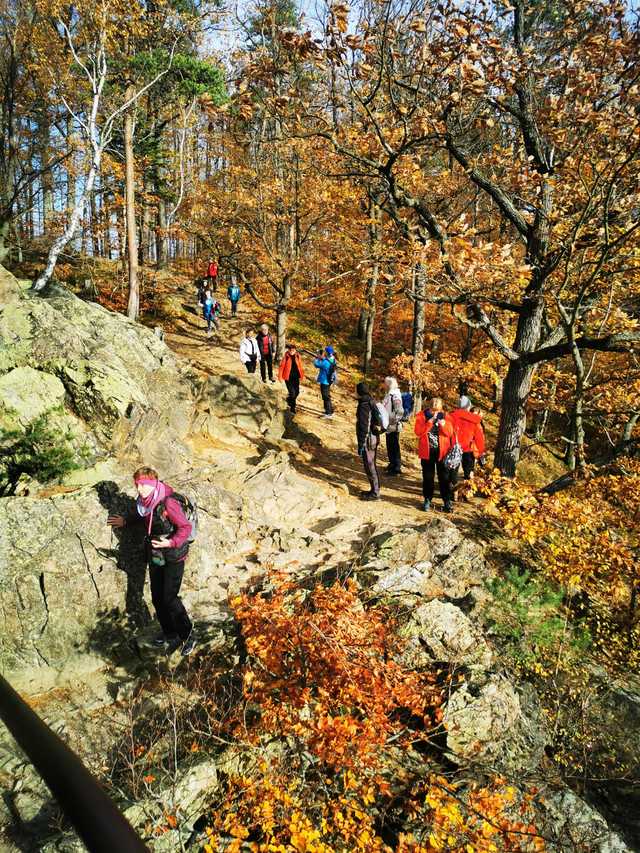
x=169, y=532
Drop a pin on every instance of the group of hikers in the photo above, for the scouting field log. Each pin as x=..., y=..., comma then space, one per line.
x=259, y=349
x=207, y=301
x=447, y=441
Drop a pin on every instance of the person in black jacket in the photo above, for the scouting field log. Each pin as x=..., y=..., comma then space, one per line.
x=265, y=346
x=368, y=440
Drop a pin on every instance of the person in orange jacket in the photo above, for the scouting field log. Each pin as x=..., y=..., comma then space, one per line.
x=292, y=374
x=468, y=426
x=436, y=434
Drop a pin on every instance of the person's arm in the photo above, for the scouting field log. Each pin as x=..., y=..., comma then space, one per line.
x=179, y=520
x=420, y=426
x=479, y=439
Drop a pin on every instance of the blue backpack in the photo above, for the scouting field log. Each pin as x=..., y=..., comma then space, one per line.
x=407, y=404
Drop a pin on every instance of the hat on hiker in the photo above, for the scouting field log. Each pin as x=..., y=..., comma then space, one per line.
x=328, y=350
x=465, y=402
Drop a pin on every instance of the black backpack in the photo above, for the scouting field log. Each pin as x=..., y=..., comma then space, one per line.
x=190, y=509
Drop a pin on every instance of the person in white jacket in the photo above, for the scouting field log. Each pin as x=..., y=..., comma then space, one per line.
x=249, y=351
x=393, y=404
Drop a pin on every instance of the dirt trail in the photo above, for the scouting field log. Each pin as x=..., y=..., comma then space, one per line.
x=331, y=444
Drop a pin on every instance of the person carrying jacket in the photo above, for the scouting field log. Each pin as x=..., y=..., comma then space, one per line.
x=368, y=440
x=436, y=437
x=233, y=293
x=326, y=364
x=249, y=351
x=265, y=345
x=470, y=435
x=393, y=404
x=167, y=546
x=292, y=374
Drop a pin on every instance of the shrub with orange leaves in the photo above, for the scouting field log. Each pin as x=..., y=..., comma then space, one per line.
x=322, y=682
x=321, y=668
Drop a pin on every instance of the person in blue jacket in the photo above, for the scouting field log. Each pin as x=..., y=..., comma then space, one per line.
x=327, y=366
x=233, y=292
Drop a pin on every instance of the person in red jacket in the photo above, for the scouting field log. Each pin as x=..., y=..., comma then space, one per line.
x=468, y=426
x=436, y=437
x=292, y=374
x=212, y=273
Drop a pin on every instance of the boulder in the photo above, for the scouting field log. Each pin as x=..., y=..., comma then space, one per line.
x=230, y=407
x=26, y=394
x=496, y=726
x=439, y=631
x=575, y=825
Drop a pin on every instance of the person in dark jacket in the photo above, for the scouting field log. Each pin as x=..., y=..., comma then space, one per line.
x=292, y=374
x=368, y=440
x=167, y=546
x=265, y=346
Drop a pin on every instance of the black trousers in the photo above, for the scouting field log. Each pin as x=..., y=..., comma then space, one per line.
x=325, y=390
x=445, y=479
x=393, y=452
x=468, y=464
x=234, y=307
x=293, y=387
x=266, y=362
x=251, y=366
x=165, y=587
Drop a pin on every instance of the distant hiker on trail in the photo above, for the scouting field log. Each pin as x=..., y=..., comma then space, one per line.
x=211, y=312
x=168, y=536
x=369, y=427
x=470, y=435
x=327, y=371
x=249, y=352
x=292, y=373
x=212, y=273
x=395, y=409
x=436, y=434
x=202, y=290
x=234, y=294
x=265, y=345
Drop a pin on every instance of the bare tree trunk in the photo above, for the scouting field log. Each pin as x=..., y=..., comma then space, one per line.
x=419, y=289
x=133, y=306
x=372, y=285
x=162, y=240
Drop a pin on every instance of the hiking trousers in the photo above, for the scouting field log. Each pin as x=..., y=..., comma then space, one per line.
x=445, y=479
x=266, y=362
x=325, y=390
x=251, y=365
x=293, y=387
x=165, y=587
x=234, y=308
x=369, y=460
x=393, y=452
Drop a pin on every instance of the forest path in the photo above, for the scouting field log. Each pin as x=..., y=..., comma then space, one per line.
x=330, y=445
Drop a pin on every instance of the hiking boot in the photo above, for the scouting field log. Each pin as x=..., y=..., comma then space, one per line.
x=370, y=496
x=188, y=646
x=173, y=644
x=448, y=506
x=426, y=506
x=159, y=641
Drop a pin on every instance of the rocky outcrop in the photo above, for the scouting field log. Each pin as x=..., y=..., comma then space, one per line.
x=495, y=725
